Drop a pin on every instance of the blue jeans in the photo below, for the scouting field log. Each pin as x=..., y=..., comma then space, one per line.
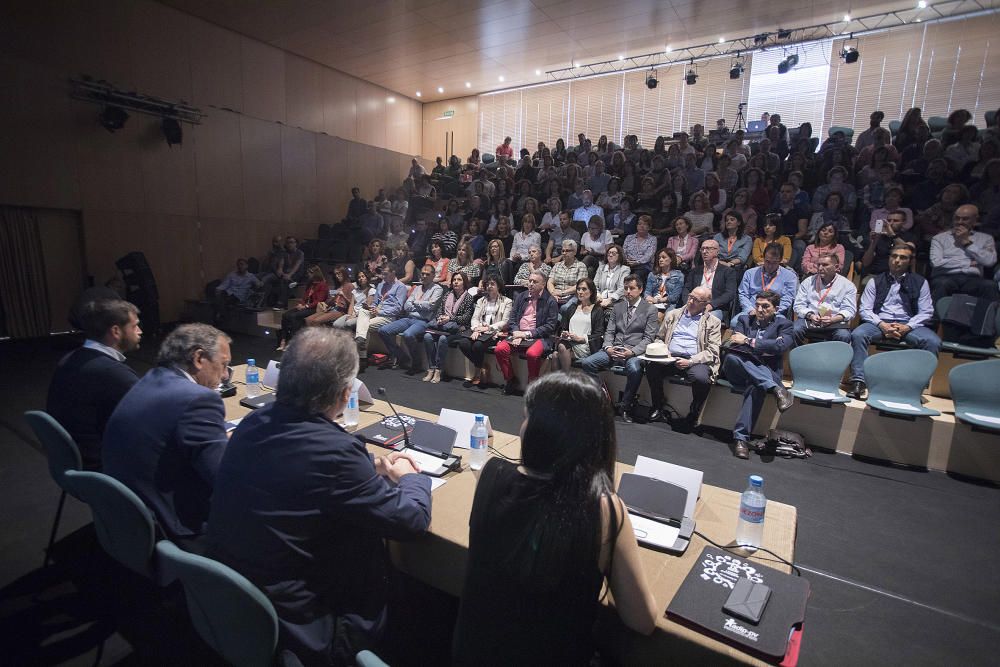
x=411, y=328
x=600, y=361
x=921, y=338
x=436, y=345
x=572, y=301
x=755, y=380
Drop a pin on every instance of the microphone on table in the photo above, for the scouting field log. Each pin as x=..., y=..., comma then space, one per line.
x=402, y=424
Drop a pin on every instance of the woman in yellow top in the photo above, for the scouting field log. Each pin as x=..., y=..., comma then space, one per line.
x=769, y=234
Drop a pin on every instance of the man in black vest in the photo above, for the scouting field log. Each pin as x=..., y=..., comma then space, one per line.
x=90, y=381
x=897, y=306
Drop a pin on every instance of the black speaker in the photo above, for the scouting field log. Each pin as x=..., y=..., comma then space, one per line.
x=140, y=288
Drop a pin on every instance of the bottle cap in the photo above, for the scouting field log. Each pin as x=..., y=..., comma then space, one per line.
x=251, y=362
x=480, y=418
x=756, y=480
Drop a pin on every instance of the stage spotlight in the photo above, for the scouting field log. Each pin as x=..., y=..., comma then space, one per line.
x=113, y=118
x=760, y=39
x=850, y=55
x=784, y=34
x=736, y=71
x=172, y=131
x=788, y=63
x=691, y=77
x=651, y=81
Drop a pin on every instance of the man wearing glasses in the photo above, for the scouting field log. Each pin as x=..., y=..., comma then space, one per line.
x=167, y=436
x=693, y=339
x=720, y=279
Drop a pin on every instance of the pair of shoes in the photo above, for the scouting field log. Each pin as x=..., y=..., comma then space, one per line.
x=429, y=375
x=656, y=415
x=510, y=386
x=740, y=449
x=391, y=365
x=436, y=378
x=785, y=398
x=857, y=389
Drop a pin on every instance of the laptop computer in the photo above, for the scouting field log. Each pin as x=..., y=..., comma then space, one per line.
x=756, y=126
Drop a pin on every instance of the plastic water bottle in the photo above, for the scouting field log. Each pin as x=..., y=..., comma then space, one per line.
x=479, y=439
x=351, y=415
x=750, y=527
x=253, y=379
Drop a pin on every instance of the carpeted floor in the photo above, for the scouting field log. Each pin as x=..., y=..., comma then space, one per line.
x=901, y=562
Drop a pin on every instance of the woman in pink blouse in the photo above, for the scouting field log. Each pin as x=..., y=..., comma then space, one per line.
x=824, y=243
x=684, y=244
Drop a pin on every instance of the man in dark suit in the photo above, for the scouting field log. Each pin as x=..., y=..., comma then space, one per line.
x=167, y=435
x=632, y=327
x=301, y=508
x=90, y=381
x=721, y=279
x=754, y=363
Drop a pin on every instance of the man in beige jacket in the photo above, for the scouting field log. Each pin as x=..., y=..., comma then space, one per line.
x=693, y=339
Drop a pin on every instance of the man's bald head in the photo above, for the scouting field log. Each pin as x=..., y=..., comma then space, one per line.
x=966, y=215
x=701, y=292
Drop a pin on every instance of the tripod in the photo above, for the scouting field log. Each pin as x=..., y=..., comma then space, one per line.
x=741, y=122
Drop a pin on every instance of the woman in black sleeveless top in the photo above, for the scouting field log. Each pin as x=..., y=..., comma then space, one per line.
x=545, y=535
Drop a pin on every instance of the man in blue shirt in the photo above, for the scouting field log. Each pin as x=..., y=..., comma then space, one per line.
x=386, y=307
x=769, y=276
x=895, y=306
x=417, y=313
x=587, y=209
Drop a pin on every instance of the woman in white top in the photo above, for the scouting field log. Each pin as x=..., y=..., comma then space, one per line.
x=701, y=216
x=550, y=220
x=488, y=320
x=523, y=242
x=361, y=297
x=582, y=327
x=595, y=243
x=609, y=280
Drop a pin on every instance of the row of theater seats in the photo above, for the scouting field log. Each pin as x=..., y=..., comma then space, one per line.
x=229, y=613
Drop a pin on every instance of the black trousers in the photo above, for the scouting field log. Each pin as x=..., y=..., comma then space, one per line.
x=699, y=375
x=293, y=320
x=474, y=350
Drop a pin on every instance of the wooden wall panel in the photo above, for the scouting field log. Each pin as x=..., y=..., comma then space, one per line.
x=219, y=165
x=222, y=240
x=62, y=253
x=109, y=167
x=168, y=172
x=465, y=125
x=298, y=166
x=340, y=105
x=160, y=50
x=263, y=80
x=303, y=93
x=216, y=70
x=261, y=159
x=332, y=188
x=37, y=142
x=371, y=114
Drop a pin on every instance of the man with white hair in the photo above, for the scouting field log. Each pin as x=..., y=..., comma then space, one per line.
x=302, y=509
x=693, y=338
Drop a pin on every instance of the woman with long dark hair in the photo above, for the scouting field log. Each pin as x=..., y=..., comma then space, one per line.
x=453, y=313
x=294, y=319
x=544, y=536
x=488, y=320
x=582, y=326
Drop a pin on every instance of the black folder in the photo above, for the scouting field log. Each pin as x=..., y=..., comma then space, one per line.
x=699, y=603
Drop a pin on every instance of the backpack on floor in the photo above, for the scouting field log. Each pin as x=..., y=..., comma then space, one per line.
x=787, y=444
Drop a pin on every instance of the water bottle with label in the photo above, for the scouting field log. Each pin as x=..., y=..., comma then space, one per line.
x=351, y=414
x=253, y=379
x=479, y=442
x=750, y=527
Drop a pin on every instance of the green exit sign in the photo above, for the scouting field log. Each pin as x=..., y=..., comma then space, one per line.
x=449, y=114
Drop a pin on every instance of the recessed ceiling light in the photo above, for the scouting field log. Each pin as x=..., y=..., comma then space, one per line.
x=576, y=64
x=667, y=50
x=918, y=19
x=922, y=4
x=621, y=57
x=418, y=93
x=500, y=78
x=847, y=18
x=722, y=40
x=468, y=85
x=390, y=100
x=538, y=72
x=440, y=89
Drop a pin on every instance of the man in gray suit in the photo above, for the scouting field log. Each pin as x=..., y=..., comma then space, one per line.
x=633, y=325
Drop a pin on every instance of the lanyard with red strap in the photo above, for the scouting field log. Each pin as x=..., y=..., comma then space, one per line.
x=768, y=285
